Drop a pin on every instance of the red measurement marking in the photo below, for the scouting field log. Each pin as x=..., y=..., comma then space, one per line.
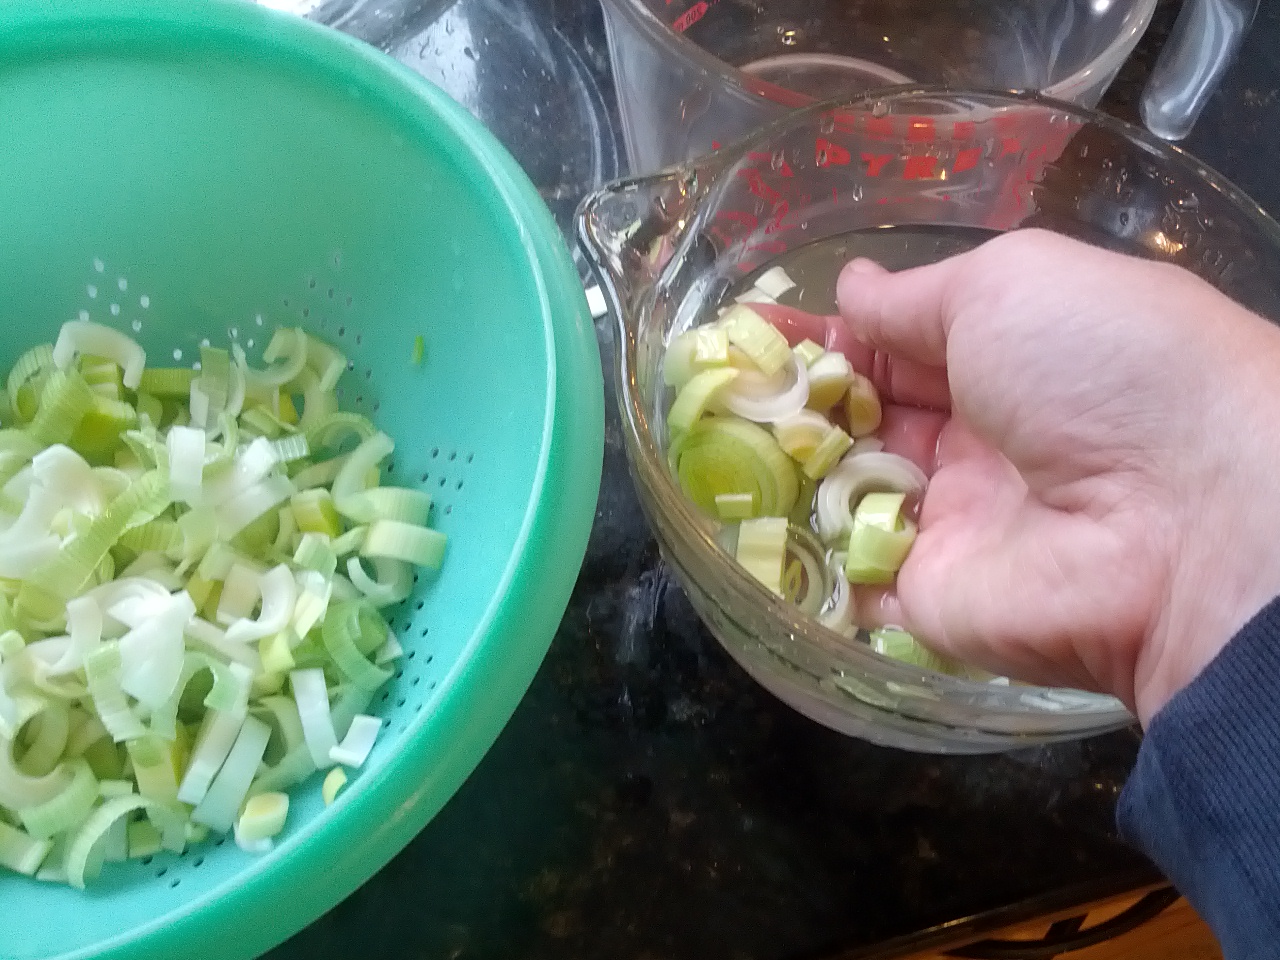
x=919, y=168
x=876, y=162
x=962, y=130
x=1009, y=145
x=967, y=159
x=1008, y=126
x=690, y=17
x=715, y=144
x=828, y=154
x=919, y=129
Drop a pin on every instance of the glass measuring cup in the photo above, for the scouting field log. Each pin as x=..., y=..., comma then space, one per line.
x=667, y=249
x=691, y=73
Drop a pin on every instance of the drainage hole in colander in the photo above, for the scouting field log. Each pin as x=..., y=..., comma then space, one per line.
x=286, y=302
x=421, y=604
x=416, y=681
x=146, y=861
x=415, y=578
x=435, y=452
x=470, y=457
x=342, y=332
x=359, y=339
x=448, y=510
x=359, y=399
x=377, y=405
x=198, y=862
x=430, y=657
x=220, y=841
x=400, y=674
x=385, y=697
x=453, y=455
x=425, y=630
x=425, y=476
x=368, y=373
x=311, y=282
x=306, y=312
x=443, y=481
x=161, y=872
x=348, y=300
x=331, y=293
x=174, y=883
x=400, y=703
x=459, y=484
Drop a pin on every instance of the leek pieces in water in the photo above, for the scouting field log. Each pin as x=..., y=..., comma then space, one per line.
x=179, y=639
x=880, y=539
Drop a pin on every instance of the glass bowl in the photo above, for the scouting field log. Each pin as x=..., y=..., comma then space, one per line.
x=907, y=174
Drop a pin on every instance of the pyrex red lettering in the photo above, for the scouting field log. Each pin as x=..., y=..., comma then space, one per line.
x=843, y=121
x=1009, y=145
x=919, y=167
x=962, y=130
x=876, y=162
x=880, y=126
x=920, y=129
x=828, y=154
x=967, y=159
x=690, y=17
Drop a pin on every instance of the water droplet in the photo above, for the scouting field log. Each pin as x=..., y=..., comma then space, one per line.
x=177, y=354
x=777, y=160
x=137, y=326
x=856, y=193
x=1124, y=218
x=144, y=301
x=258, y=319
x=249, y=343
x=92, y=291
x=879, y=108
x=1084, y=151
x=122, y=283
x=98, y=265
x=826, y=124
x=84, y=314
x=204, y=342
x=115, y=309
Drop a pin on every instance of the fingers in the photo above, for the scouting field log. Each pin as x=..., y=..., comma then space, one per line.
x=897, y=380
x=907, y=314
x=912, y=433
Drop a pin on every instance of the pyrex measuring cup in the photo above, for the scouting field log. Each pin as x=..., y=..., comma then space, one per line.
x=691, y=73
x=667, y=248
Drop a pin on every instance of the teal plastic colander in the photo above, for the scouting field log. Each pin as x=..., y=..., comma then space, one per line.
x=186, y=170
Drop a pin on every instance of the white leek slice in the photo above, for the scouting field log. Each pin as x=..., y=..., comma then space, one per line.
x=21, y=852
x=829, y=378
x=312, y=698
x=857, y=475
x=19, y=791
x=419, y=546
x=394, y=580
x=204, y=634
x=263, y=817
x=757, y=338
x=217, y=810
x=279, y=594
x=775, y=282
x=745, y=399
x=334, y=781
x=151, y=654
x=352, y=478
x=218, y=734
x=358, y=743
x=862, y=407
x=762, y=549
x=800, y=434
x=186, y=463
x=100, y=822
x=103, y=670
x=244, y=508
x=314, y=593
x=81, y=337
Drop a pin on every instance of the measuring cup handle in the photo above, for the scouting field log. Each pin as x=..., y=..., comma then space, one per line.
x=1201, y=47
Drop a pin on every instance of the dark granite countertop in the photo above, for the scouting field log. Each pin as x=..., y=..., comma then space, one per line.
x=649, y=801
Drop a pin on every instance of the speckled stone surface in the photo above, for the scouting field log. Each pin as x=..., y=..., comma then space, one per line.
x=649, y=802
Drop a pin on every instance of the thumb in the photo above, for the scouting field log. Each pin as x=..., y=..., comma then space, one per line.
x=907, y=314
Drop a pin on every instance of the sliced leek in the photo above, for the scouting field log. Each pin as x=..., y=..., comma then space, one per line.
x=138, y=505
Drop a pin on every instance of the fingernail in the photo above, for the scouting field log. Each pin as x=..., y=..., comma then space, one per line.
x=864, y=266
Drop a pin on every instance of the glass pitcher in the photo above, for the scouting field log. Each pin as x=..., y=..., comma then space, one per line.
x=933, y=165
x=694, y=73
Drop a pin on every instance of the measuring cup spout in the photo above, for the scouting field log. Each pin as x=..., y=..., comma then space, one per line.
x=630, y=230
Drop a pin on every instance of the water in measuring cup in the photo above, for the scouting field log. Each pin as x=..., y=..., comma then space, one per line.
x=827, y=47
x=816, y=266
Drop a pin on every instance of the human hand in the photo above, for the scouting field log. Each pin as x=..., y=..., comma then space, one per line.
x=1103, y=512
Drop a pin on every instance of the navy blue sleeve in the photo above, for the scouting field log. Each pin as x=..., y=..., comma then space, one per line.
x=1203, y=801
